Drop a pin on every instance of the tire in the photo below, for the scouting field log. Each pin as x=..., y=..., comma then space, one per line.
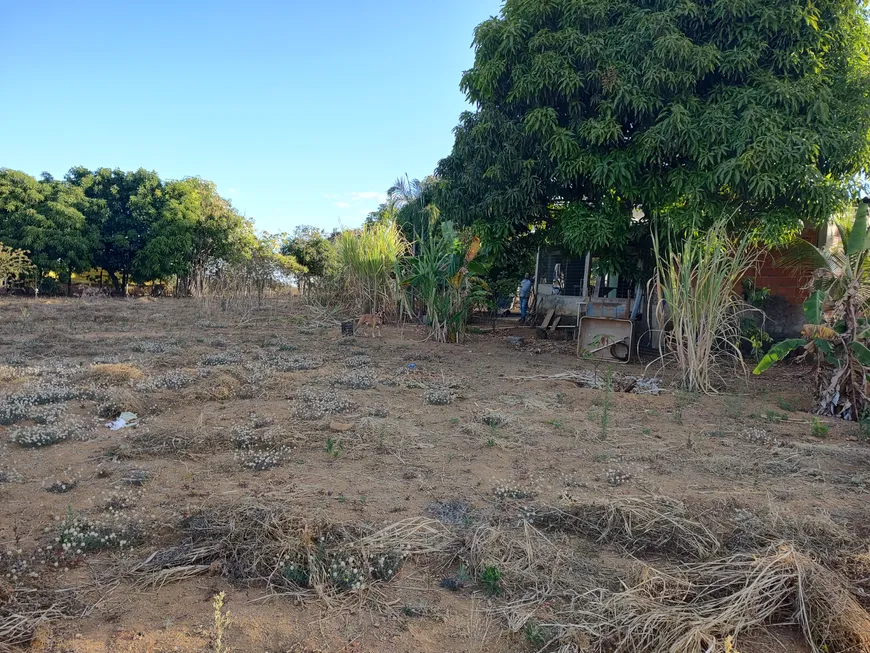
x=620, y=351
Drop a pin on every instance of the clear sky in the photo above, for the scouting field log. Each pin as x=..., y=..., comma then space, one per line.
x=302, y=111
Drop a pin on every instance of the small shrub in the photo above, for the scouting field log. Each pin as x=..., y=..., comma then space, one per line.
x=62, y=487
x=260, y=460
x=223, y=358
x=296, y=574
x=316, y=404
x=358, y=379
x=818, y=428
x=439, y=396
x=386, y=566
x=490, y=581
x=153, y=347
x=617, y=477
x=346, y=571
x=864, y=427
x=494, y=419
x=297, y=363
x=535, y=634
x=507, y=490
x=358, y=360
x=172, y=380
x=44, y=435
x=79, y=535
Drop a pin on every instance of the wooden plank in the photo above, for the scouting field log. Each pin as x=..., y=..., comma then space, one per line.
x=555, y=324
x=547, y=318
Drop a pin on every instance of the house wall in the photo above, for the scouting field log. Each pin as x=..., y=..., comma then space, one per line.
x=784, y=309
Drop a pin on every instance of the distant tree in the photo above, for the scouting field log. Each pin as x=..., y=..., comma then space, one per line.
x=196, y=226
x=589, y=109
x=13, y=263
x=46, y=218
x=313, y=252
x=125, y=212
x=267, y=266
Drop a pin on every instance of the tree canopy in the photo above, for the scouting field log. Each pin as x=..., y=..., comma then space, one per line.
x=593, y=115
x=132, y=226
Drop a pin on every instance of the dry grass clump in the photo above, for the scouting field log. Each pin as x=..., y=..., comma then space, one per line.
x=114, y=374
x=818, y=534
x=118, y=400
x=270, y=540
x=217, y=386
x=659, y=524
x=172, y=441
x=693, y=608
x=24, y=609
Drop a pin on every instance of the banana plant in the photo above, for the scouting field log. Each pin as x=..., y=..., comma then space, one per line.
x=837, y=329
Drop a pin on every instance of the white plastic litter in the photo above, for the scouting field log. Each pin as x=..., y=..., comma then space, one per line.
x=123, y=420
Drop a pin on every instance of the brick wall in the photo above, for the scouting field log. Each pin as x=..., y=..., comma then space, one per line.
x=782, y=283
x=784, y=309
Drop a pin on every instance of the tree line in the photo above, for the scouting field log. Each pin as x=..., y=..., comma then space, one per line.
x=132, y=226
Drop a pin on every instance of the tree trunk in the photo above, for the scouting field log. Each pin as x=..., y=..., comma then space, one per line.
x=114, y=279
x=69, y=281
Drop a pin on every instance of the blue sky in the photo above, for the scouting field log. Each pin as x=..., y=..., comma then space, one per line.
x=302, y=112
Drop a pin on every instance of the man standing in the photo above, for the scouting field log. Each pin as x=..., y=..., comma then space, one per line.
x=525, y=291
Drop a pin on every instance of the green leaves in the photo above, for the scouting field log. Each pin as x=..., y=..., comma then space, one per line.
x=861, y=353
x=858, y=236
x=685, y=108
x=813, y=308
x=778, y=352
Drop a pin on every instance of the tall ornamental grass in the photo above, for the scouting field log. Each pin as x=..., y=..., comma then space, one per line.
x=365, y=265
x=696, y=296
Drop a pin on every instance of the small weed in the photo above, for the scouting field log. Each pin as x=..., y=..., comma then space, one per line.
x=333, y=447
x=818, y=428
x=733, y=406
x=555, y=423
x=785, y=404
x=490, y=442
x=221, y=623
x=490, y=581
x=646, y=430
x=454, y=421
x=774, y=416
x=534, y=634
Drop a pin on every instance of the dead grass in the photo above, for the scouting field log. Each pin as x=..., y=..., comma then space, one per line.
x=114, y=374
x=23, y=610
x=636, y=524
x=693, y=608
x=271, y=541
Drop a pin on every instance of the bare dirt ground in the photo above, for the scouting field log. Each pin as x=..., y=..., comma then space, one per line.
x=267, y=443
